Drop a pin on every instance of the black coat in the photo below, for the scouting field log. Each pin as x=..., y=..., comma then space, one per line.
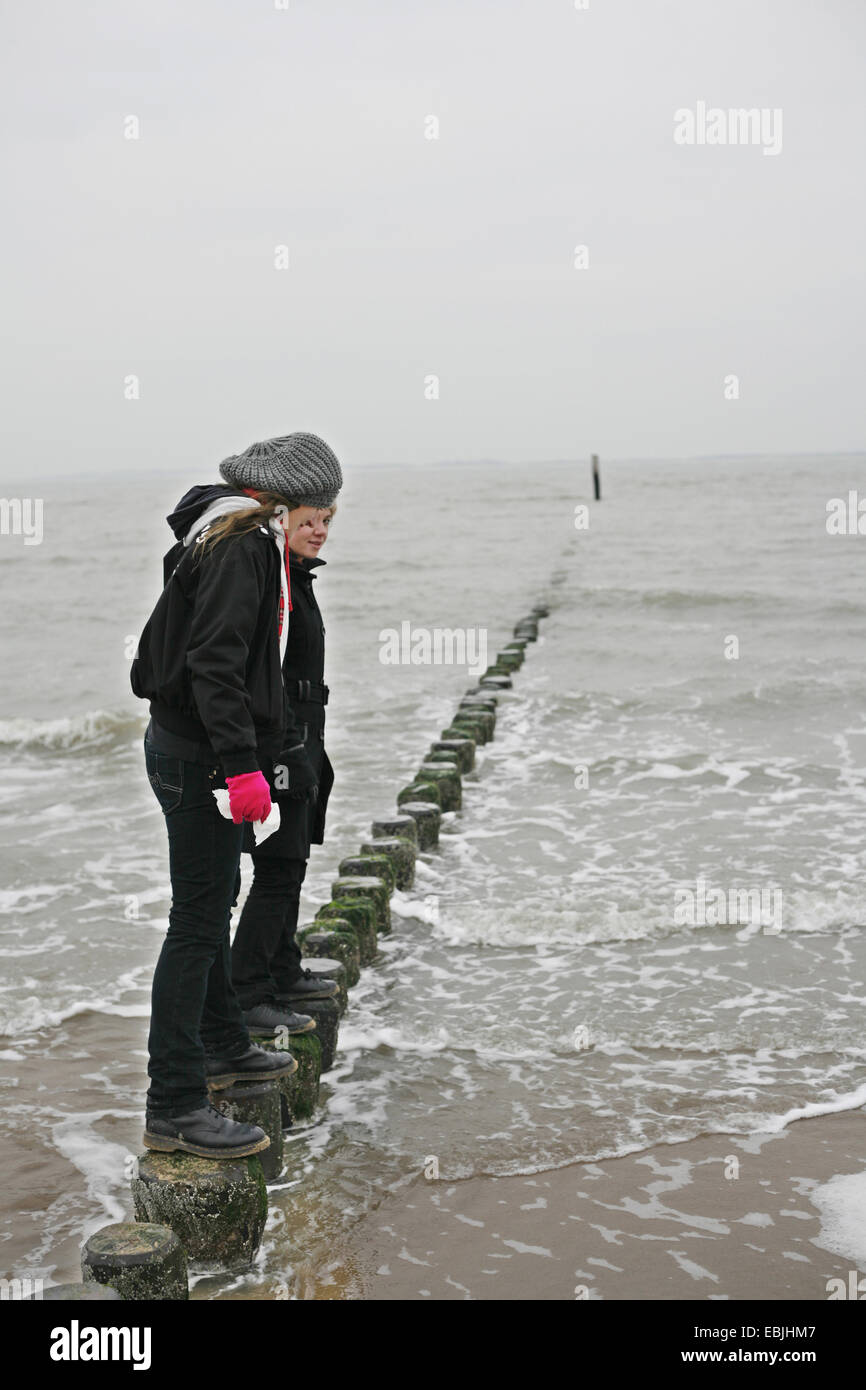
x=303, y=823
x=208, y=660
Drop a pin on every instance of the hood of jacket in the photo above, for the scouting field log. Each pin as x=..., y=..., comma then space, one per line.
x=200, y=499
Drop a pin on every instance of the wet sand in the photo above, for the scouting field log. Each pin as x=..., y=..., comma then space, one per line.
x=663, y=1224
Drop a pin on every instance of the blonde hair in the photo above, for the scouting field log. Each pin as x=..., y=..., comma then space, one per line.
x=271, y=504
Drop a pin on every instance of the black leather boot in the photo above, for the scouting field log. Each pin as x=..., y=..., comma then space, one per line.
x=204, y=1132
x=256, y=1064
x=308, y=986
x=269, y=1020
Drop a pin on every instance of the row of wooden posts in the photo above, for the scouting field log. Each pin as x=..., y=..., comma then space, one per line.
x=209, y=1214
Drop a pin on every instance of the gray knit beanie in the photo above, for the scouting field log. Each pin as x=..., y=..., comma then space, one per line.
x=300, y=466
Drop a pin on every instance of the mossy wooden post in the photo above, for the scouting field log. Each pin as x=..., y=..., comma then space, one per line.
x=485, y=697
x=302, y=1089
x=300, y=1092
x=476, y=709
x=462, y=748
x=401, y=855
x=369, y=889
x=321, y=968
x=360, y=915
x=336, y=940
x=471, y=706
x=217, y=1208
x=497, y=682
x=447, y=780
x=326, y=1012
x=142, y=1261
x=477, y=724
x=427, y=818
x=80, y=1293
x=446, y=756
x=459, y=733
x=486, y=713
x=420, y=791
x=509, y=661
x=256, y=1103
x=402, y=826
x=374, y=865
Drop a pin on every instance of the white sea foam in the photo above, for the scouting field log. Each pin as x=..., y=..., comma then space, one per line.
x=853, y=1100
x=103, y=1163
x=370, y=1038
x=842, y=1204
x=28, y=1015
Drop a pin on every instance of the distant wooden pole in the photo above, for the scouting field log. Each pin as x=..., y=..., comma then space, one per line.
x=596, y=478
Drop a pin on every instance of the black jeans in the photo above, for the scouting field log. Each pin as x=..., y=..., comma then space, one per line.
x=194, y=1008
x=266, y=959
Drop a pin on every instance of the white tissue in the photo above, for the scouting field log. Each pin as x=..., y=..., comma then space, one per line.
x=261, y=828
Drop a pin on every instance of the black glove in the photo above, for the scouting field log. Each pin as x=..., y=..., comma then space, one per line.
x=295, y=776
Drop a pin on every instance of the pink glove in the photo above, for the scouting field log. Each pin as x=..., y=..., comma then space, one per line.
x=249, y=797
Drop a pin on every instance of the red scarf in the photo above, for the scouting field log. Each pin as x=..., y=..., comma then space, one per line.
x=251, y=492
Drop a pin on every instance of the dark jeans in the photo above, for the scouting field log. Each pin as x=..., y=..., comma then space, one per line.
x=266, y=959
x=194, y=1008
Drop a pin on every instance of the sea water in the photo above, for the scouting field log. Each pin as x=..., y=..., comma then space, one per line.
x=692, y=714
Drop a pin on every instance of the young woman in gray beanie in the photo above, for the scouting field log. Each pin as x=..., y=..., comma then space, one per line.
x=210, y=663
x=267, y=969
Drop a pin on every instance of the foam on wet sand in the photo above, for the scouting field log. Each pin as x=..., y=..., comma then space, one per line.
x=671, y=1223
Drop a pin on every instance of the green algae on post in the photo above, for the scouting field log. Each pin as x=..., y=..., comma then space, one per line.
x=360, y=914
x=478, y=725
x=447, y=779
x=401, y=855
x=370, y=889
x=420, y=791
x=462, y=748
x=373, y=865
x=337, y=942
x=256, y=1103
x=217, y=1208
x=300, y=1092
x=302, y=1089
x=401, y=826
x=326, y=1012
x=427, y=818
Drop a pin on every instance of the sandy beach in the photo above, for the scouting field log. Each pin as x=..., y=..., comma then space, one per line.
x=665, y=1224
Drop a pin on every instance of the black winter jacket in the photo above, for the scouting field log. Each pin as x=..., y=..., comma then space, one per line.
x=208, y=659
x=303, y=823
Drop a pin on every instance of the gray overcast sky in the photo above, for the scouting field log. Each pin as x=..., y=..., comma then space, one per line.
x=306, y=127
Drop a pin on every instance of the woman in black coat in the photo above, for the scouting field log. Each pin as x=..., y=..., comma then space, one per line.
x=210, y=662
x=266, y=960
